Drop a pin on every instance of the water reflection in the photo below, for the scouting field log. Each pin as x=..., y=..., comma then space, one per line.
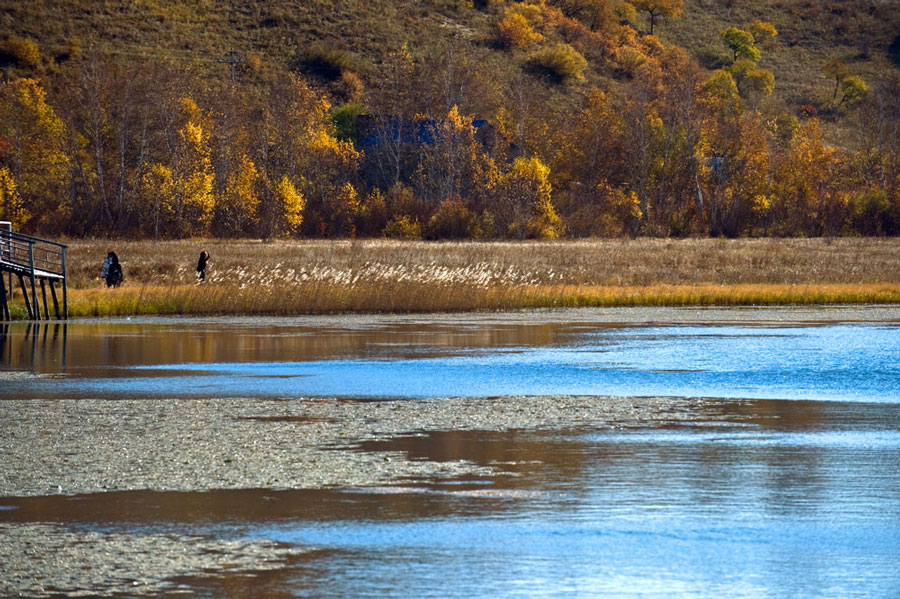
x=415, y=358
x=33, y=346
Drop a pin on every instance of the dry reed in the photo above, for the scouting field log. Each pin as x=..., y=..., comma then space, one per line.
x=317, y=277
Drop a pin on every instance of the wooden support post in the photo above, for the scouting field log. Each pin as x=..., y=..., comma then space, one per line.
x=34, y=298
x=4, y=303
x=25, y=295
x=55, y=301
x=44, y=298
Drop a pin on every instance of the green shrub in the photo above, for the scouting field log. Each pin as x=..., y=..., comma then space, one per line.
x=344, y=119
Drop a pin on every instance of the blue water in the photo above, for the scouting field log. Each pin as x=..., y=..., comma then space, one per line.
x=773, y=473
x=839, y=362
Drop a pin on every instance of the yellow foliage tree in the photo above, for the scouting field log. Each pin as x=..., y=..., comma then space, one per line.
x=807, y=191
x=344, y=210
x=33, y=143
x=448, y=166
x=291, y=203
x=192, y=175
x=237, y=210
x=525, y=204
x=658, y=8
x=11, y=207
x=156, y=196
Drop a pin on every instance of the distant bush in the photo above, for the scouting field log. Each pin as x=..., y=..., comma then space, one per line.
x=21, y=51
x=870, y=212
x=514, y=31
x=561, y=62
x=808, y=110
x=452, y=221
x=629, y=59
x=349, y=87
x=403, y=227
x=714, y=58
x=326, y=63
x=627, y=14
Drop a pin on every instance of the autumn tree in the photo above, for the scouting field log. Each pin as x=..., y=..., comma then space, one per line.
x=733, y=154
x=115, y=114
x=236, y=210
x=658, y=8
x=878, y=160
x=449, y=160
x=853, y=90
x=524, y=200
x=741, y=43
x=393, y=123
x=764, y=33
x=837, y=70
x=679, y=202
x=192, y=201
x=514, y=30
x=32, y=158
x=808, y=192
x=598, y=15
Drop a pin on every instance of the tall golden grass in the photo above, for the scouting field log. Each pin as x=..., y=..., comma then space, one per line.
x=316, y=277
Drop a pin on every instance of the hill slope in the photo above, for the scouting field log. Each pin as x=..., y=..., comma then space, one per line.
x=859, y=32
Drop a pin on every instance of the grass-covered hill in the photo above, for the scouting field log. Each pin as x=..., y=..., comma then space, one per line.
x=232, y=118
x=318, y=36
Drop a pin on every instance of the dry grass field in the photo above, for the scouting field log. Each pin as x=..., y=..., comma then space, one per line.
x=316, y=277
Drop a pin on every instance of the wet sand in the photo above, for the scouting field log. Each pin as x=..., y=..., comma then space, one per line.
x=112, y=461
x=69, y=447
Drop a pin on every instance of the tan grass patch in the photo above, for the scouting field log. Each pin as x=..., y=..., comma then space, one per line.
x=316, y=277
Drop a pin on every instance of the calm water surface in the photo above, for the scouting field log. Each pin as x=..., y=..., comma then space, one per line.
x=779, y=478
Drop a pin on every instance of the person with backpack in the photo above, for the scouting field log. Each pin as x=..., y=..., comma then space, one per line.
x=114, y=274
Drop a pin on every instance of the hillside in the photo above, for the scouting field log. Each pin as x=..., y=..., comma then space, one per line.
x=605, y=117
x=810, y=33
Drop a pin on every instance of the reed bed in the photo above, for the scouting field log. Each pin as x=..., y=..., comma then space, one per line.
x=320, y=277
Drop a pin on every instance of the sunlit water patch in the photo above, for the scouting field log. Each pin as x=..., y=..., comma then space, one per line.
x=839, y=362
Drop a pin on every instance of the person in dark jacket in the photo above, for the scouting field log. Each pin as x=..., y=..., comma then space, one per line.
x=114, y=274
x=201, y=265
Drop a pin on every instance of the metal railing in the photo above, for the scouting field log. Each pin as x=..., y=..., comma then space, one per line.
x=32, y=253
x=41, y=261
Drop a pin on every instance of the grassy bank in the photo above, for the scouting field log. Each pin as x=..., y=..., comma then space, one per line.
x=319, y=277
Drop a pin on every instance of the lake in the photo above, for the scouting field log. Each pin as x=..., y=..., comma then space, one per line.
x=592, y=453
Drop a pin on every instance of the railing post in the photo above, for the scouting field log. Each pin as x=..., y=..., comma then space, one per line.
x=37, y=312
x=64, y=294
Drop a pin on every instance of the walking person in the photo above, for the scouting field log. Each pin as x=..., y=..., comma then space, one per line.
x=201, y=266
x=114, y=274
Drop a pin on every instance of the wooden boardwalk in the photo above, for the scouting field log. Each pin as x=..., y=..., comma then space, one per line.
x=35, y=263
